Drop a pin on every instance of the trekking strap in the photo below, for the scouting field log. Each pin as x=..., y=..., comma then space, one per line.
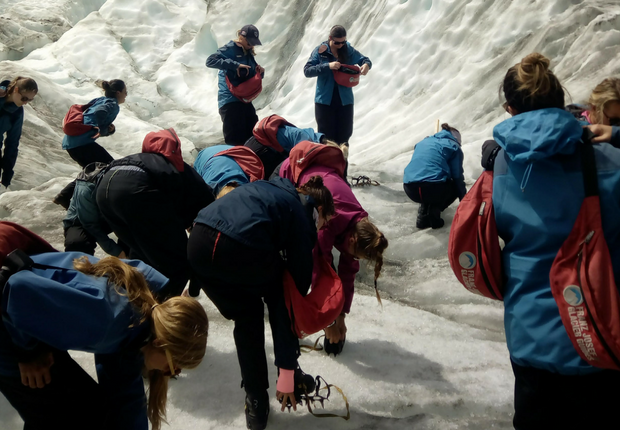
x=362, y=181
x=321, y=399
x=315, y=347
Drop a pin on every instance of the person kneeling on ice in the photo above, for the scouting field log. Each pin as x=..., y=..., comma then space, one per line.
x=434, y=176
x=239, y=249
x=225, y=167
x=350, y=232
x=274, y=137
x=84, y=225
x=55, y=301
x=149, y=200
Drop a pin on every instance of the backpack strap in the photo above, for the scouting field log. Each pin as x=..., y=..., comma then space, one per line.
x=588, y=165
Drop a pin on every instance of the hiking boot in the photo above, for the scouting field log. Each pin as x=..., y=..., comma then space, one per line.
x=61, y=200
x=424, y=219
x=333, y=348
x=256, y=410
x=435, y=218
x=304, y=383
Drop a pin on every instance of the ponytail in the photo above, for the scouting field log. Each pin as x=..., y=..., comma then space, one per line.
x=370, y=245
x=315, y=188
x=180, y=324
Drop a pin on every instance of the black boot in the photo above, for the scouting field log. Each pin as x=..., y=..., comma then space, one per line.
x=423, y=220
x=333, y=348
x=256, y=410
x=435, y=218
x=63, y=198
x=304, y=383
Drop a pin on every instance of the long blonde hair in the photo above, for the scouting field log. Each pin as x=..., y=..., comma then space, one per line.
x=370, y=245
x=180, y=324
x=604, y=93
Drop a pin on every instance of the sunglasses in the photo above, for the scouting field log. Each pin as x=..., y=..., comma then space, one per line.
x=25, y=99
x=612, y=121
x=339, y=43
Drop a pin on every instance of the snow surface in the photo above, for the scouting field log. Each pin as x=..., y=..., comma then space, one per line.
x=434, y=357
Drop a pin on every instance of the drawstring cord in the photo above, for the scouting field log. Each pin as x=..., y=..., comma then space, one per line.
x=526, y=177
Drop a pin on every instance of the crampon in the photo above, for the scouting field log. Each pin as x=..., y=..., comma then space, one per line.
x=363, y=181
x=308, y=393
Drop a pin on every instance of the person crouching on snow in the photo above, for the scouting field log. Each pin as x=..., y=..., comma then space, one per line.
x=239, y=248
x=434, y=176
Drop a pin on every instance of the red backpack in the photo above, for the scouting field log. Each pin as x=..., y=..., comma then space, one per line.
x=14, y=236
x=247, y=90
x=73, y=124
x=473, y=247
x=582, y=280
x=320, y=307
x=266, y=131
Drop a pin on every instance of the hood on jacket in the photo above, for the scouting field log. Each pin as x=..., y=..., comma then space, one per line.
x=307, y=153
x=265, y=131
x=91, y=171
x=249, y=162
x=167, y=143
x=538, y=134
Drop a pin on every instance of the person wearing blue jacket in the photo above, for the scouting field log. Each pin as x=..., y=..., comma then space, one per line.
x=13, y=96
x=57, y=302
x=434, y=176
x=238, y=249
x=537, y=194
x=220, y=171
x=236, y=61
x=287, y=136
x=84, y=226
x=333, y=106
x=84, y=148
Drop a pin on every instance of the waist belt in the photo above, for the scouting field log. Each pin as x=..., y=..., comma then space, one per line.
x=129, y=168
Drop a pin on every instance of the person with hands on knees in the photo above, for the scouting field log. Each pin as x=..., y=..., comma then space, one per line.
x=434, y=177
x=236, y=64
x=13, y=96
x=333, y=106
x=55, y=302
x=265, y=227
x=99, y=116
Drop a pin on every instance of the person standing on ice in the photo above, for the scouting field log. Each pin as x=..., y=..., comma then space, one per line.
x=84, y=148
x=237, y=65
x=434, y=177
x=55, y=302
x=149, y=200
x=333, y=102
x=239, y=248
x=13, y=96
x=538, y=191
x=350, y=232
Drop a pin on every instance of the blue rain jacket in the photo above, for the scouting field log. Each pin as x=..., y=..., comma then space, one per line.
x=318, y=66
x=437, y=158
x=289, y=136
x=219, y=171
x=11, y=121
x=68, y=310
x=537, y=194
x=101, y=114
x=227, y=59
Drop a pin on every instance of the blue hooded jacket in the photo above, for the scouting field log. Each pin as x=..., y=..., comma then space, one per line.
x=227, y=59
x=288, y=136
x=437, y=158
x=219, y=171
x=318, y=66
x=11, y=121
x=101, y=114
x=66, y=309
x=537, y=194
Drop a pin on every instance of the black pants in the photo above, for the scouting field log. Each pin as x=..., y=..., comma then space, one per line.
x=546, y=400
x=143, y=218
x=83, y=155
x=78, y=239
x=269, y=156
x=335, y=120
x=438, y=195
x=237, y=278
x=239, y=120
x=72, y=400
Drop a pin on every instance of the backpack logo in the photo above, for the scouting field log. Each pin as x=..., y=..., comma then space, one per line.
x=573, y=295
x=467, y=260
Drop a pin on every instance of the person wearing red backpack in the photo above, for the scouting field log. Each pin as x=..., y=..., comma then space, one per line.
x=237, y=66
x=239, y=248
x=99, y=118
x=538, y=190
x=14, y=95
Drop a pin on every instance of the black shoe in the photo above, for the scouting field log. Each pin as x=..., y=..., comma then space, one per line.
x=424, y=218
x=256, y=410
x=61, y=200
x=304, y=383
x=437, y=223
x=435, y=218
x=333, y=348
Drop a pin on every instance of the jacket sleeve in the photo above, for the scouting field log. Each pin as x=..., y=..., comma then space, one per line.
x=456, y=171
x=102, y=116
x=11, y=145
x=90, y=217
x=221, y=61
x=615, y=137
x=357, y=58
x=198, y=195
x=300, y=240
x=314, y=67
